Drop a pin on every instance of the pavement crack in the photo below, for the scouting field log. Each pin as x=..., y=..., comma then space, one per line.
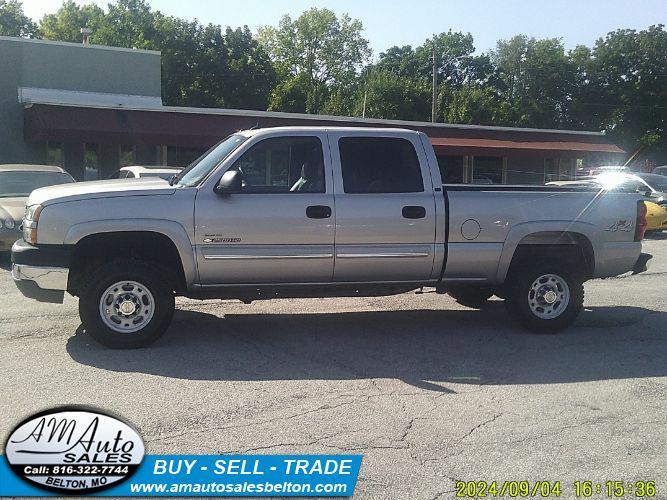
x=258, y=423
x=478, y=426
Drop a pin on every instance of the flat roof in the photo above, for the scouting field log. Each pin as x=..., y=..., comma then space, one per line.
x=304, y=116
x=78, y=45
x=203, y=127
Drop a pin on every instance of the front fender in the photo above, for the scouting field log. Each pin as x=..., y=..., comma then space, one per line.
x=173, y=230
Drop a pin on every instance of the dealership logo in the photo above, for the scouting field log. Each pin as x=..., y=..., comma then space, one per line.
x=74, y=450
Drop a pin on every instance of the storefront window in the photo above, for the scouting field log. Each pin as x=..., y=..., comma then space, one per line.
x=451, y=169
x=550, y=170
x=54, y=154
x=487, y=170
x=127, y=155
x=91, y=162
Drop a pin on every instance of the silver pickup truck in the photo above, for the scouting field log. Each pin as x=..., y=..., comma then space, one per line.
x=318, y=212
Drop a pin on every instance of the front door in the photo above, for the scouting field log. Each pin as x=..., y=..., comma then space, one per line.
x=280, y=227
x=385, y=208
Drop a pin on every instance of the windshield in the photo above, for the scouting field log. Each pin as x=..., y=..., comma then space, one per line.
x=19, y=184
x=203, y=165
x=657, y=182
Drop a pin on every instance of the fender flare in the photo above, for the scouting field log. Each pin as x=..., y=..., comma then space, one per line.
x=520, y=231
x=172, y=230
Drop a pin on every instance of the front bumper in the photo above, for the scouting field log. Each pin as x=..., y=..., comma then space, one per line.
x=40, y=273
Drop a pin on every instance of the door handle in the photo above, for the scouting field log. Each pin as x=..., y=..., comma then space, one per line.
x=318, y=212
x=413, y=212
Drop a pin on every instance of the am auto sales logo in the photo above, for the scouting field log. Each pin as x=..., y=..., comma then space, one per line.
x=74, y=450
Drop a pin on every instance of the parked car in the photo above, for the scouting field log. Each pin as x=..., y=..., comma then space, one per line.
x=660, y=170
x=653, y=186
x=136, y=172
x=267, y=213
x=656, y=217
x=17, y=181
x=605, y=169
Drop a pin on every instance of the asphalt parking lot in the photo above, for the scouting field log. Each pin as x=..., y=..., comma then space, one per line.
x=425, y=389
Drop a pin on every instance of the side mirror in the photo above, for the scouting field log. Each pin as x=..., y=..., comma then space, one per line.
x=231, y=182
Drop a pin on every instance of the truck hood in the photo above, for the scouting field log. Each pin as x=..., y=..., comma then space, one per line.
x=12, y=207
x=100, y=189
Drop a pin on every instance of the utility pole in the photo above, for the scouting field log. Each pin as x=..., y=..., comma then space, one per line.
x=435, y=84
x=363, y=112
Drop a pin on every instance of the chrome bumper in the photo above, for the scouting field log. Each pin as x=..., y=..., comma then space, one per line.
x=46, y=278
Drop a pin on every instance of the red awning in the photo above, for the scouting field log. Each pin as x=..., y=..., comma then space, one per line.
x=543, y=146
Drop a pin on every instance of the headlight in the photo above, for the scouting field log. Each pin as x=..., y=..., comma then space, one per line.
x=30, y=223
x=32, y=212
x=9, y=223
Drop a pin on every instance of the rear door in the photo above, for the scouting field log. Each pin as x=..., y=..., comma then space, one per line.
x=385, y=207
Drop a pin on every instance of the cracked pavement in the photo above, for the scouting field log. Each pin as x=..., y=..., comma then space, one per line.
x=427, y=390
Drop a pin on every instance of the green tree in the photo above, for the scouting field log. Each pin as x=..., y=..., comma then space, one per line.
x=65, y=24
x=628, y=71
x=201, y=65
x=320, y=51
x=394, y=97
x=452, y=50
x=400, y=61
x=536, y=78
x=13, y=22
x=475, y=105
x=251, y=71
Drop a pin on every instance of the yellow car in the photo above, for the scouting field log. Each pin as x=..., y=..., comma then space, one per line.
x=656, y=216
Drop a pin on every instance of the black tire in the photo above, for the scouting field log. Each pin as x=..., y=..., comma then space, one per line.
x=518, y=300
x=470, y=296
x=151, y=277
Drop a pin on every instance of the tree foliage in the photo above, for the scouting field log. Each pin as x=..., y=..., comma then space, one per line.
x=13, y=22
x=319, y=63
x=318, y=51
x=201, y=65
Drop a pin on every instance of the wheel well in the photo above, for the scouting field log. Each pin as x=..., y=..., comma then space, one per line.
x=97, y=249
x=575, y=249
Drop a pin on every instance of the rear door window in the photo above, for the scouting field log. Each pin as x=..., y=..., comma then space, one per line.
x=379, y=165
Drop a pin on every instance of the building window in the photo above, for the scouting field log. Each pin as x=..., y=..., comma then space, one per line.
x=185, y=156
x=487, y=170
x=91, y=162
x=565, y=169
x=54, y=154
x=127, y=155
x=451, y=169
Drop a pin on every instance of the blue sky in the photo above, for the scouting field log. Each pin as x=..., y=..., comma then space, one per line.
x=393, y=22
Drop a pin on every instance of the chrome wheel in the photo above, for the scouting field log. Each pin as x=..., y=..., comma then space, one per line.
x=127, y=306
x=548, y=296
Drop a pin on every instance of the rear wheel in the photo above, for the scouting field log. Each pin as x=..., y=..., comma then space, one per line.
x=470, y=296
x=545, y=298
x=126, y=304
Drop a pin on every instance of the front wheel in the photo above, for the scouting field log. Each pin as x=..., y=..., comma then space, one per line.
x=545, y=298
x=126, y=304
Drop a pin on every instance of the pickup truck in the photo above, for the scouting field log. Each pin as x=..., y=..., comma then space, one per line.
x=318, y=212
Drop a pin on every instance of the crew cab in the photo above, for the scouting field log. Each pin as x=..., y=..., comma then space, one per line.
x=318, y=212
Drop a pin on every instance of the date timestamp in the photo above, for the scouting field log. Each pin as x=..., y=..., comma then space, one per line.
x=554, y=489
